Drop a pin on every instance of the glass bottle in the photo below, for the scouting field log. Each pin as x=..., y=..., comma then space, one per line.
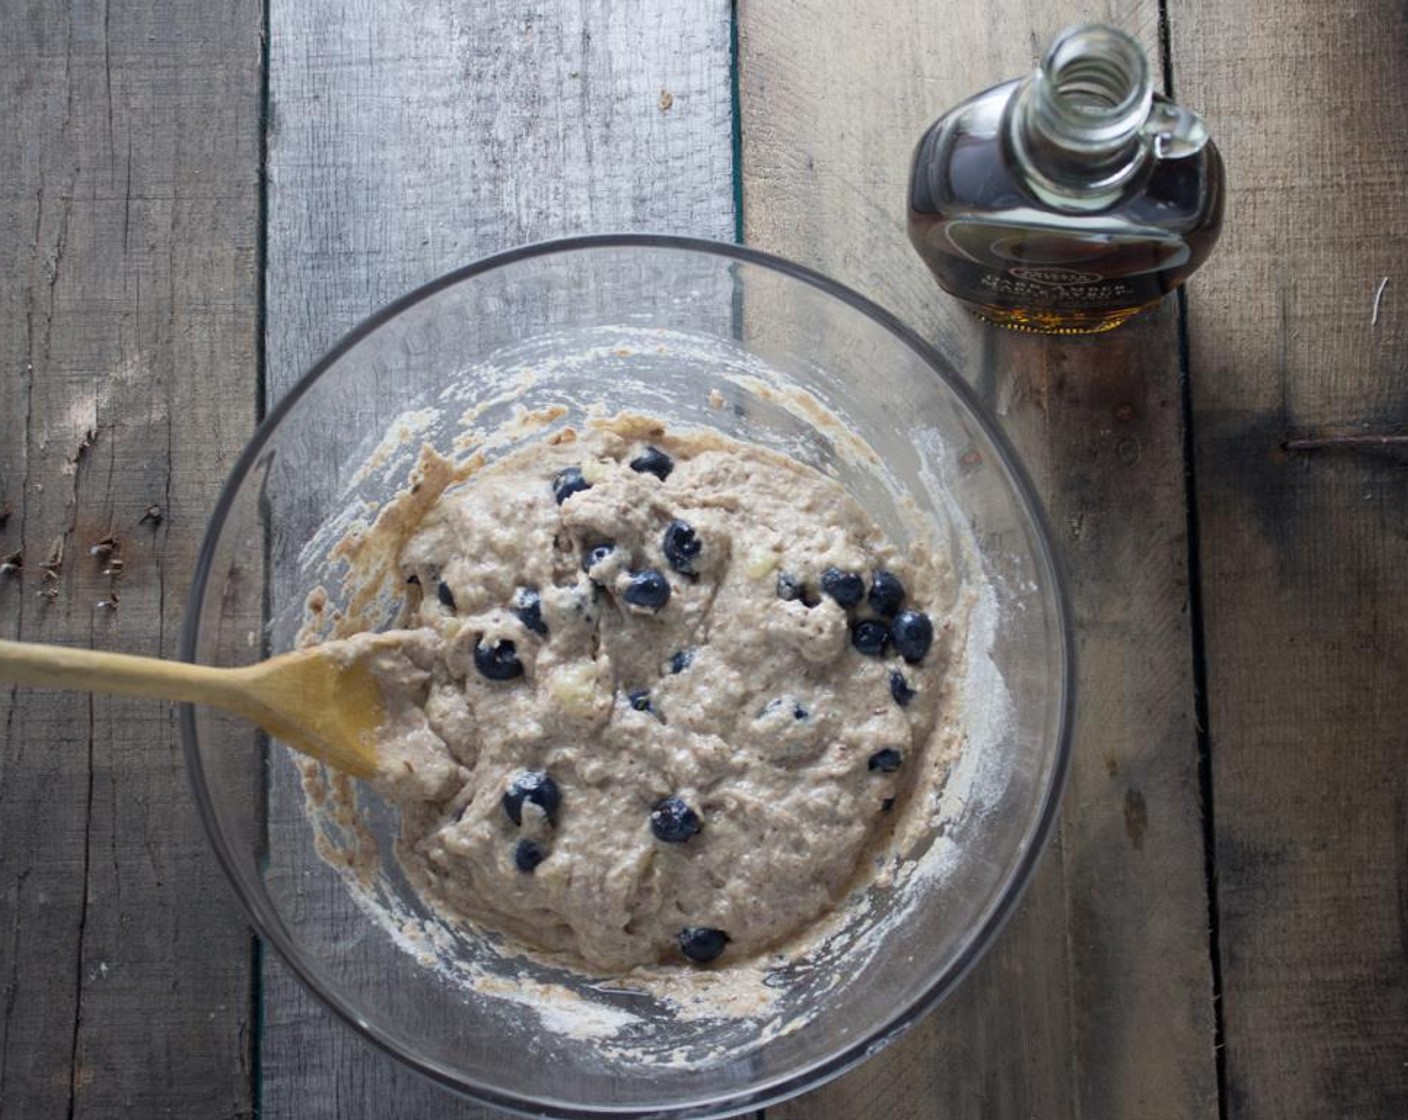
x=1067, y=201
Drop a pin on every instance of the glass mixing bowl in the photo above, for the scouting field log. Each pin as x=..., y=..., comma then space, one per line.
x=700, y=334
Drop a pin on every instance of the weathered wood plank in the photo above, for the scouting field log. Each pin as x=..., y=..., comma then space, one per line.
x=1303, y=550
x=507, y=124
x=128, y=207
x=1097, y=1001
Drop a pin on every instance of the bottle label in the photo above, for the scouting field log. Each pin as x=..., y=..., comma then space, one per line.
x=1057, y=277
x=1002, y=290
x=1064, y=269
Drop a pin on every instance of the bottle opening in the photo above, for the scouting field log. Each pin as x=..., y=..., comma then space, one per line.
x=1097, y=71
x=1095, y=86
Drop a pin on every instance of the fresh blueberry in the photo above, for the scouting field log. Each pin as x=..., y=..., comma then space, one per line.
x=681, y=660
x=847, y=588
x=567, y=482
x=681, y=546
x=534, y=786
x=528, y=855
x=886, y=594
x=887, y=761
x=647, y=588
x=528, y=606
x=444, y=594
x=673, y=821
x=639, y=699
x=900, y=688
x=596, y=555
x=702, y=944
x=913, y=634
x=870, y=636
x=498, y=662
x=653, y=461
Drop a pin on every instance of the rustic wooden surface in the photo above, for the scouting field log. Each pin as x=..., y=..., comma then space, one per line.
x=129, y=295
x=509, y=124
x=128, y=283
x=1097, y=1001
x=1305, y=549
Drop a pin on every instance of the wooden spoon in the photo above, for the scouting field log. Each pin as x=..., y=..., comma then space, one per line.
x=323, y=701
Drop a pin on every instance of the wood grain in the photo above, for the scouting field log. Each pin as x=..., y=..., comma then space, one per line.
x=128, y=206
x=507, y=124
x=1303, y=552
x=1097, y=1000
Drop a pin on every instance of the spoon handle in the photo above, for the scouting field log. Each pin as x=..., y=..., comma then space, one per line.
x=86, y=670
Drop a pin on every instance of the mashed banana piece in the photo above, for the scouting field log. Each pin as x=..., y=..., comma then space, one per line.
x=654, y=703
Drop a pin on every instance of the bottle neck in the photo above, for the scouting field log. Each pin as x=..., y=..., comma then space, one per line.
x=1077, y=124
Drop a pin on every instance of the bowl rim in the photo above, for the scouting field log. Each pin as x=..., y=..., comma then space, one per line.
x=270, y=927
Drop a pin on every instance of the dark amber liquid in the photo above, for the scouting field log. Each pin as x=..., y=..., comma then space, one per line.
x=1020, y=264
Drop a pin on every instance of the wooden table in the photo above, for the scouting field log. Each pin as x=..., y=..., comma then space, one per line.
x=198, y=196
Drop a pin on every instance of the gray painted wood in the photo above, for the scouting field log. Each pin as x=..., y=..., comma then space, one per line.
x=406, y=139
x=412, y=137
x=1096, y=1002
x=1304, y=550
x=128, y=291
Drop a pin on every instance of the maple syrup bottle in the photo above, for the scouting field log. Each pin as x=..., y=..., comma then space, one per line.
x=1070, y=200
